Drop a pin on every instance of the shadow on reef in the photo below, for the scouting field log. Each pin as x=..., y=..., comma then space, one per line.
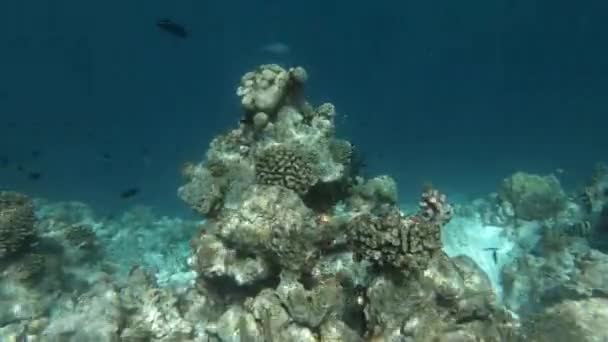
x=297, y=245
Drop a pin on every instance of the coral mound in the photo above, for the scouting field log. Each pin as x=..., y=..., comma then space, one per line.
x=533, y=197
x=302, y=248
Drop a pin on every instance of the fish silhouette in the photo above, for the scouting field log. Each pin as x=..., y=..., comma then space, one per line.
x=173, y=28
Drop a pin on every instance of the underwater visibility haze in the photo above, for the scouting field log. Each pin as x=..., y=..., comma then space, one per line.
x=317, y=171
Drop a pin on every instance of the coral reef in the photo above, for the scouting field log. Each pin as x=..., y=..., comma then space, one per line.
x=300, y=247
x=296, y=245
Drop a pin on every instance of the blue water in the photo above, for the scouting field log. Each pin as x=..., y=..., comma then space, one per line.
x=458, y=93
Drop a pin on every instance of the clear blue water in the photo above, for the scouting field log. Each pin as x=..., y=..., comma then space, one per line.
x=461, y=94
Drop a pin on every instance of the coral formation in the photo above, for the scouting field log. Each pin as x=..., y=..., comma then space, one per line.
x=16, y=222
x=341, y=151
x=296, y=245
x=282, y=140
x=374, y=193
x=406, y=243
x=269, y=87
x=293, y=248
x=595, y=194
x=533, y=197
x=286, y=166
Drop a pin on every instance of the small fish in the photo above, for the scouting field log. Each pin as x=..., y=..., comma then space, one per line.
x=276, y=48
x=106, y=157
x=34, y=175
x=494, y=251
x=173, y=28
x=581, y=229
x=36, y=153
x=4, y=162
x=131, y=192
x=20, y=168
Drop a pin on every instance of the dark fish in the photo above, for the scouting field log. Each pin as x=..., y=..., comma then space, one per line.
x=20, y=168
x=494, y=251
x=36, y=153
x=34, y=176
x=581, y=229
x=129, y=192
x=173, y=28
x=3, y=162
x=106, y=157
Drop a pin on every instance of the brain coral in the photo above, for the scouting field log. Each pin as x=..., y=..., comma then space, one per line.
x=288, y=166
x=16, y=222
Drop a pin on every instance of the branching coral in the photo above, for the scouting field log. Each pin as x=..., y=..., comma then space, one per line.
x=406, y=243
x=434, y=207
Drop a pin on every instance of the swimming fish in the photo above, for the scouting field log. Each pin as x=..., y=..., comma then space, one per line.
x=129, y=192
x=494, y=251
x=106, y=157
x=581, y=229
x=34, y=175
x=173, y=28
